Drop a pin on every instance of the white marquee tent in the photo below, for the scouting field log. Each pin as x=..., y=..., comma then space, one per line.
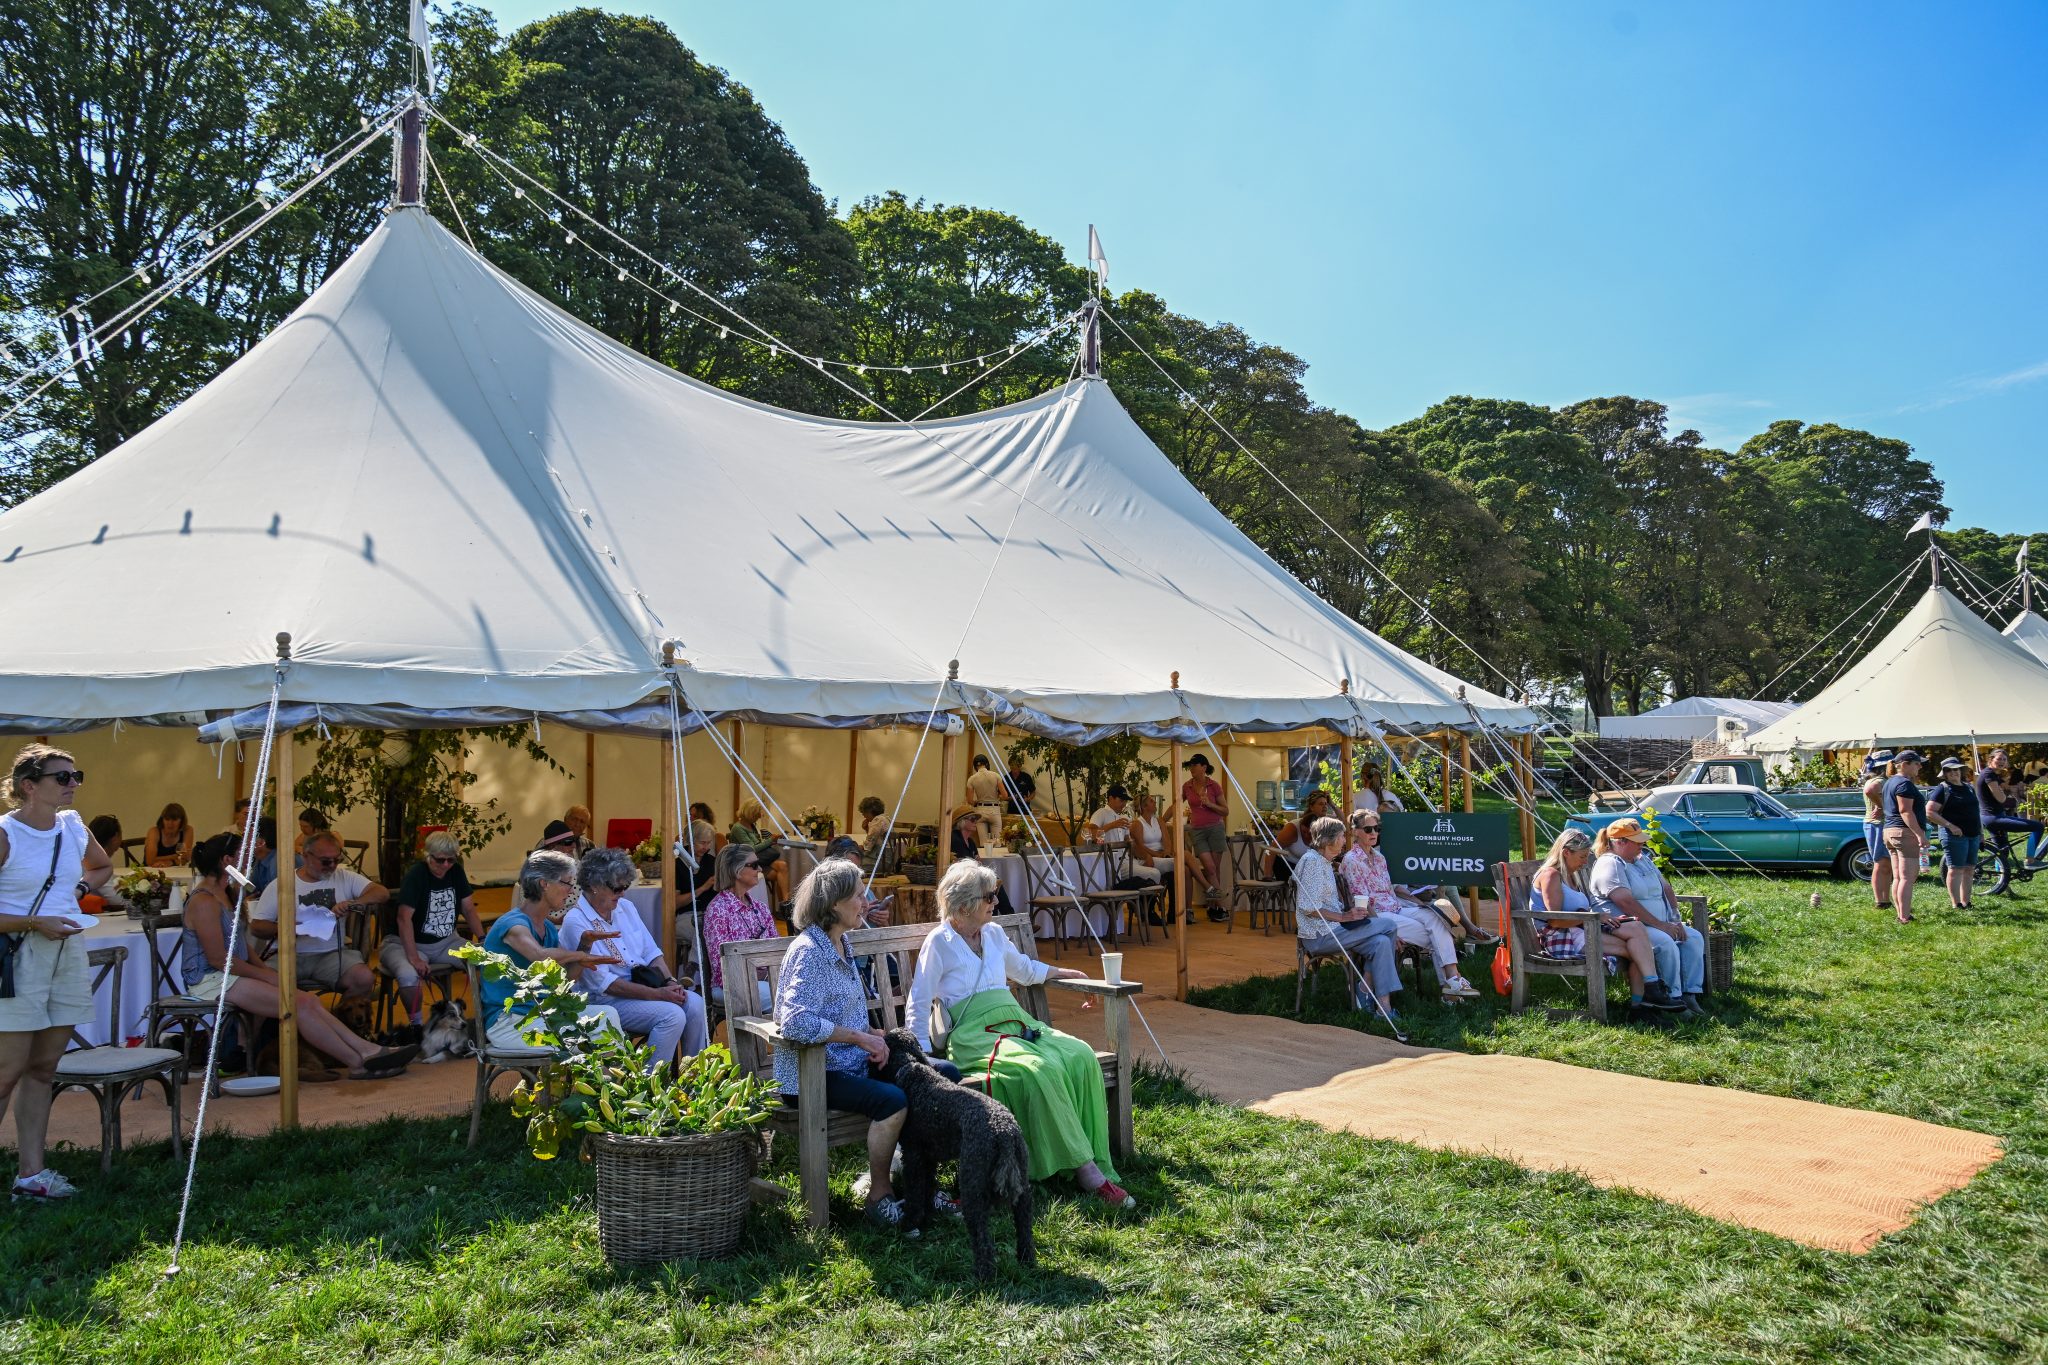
x=463, y=504
x=1693, y=718
x=2029, y=630
x=1941, y=676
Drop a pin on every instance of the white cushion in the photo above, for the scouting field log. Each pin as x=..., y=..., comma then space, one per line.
x=518, y=1055
x=93, y=1062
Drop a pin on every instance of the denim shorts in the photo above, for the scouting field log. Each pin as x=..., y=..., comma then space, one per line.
x=1873, y=839
x=864, y=1093
x=1961, y=850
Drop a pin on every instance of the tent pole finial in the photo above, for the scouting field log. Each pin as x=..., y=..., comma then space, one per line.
x=952, y=670
x=284, y=646
x=1091, y=339
x=412, y=139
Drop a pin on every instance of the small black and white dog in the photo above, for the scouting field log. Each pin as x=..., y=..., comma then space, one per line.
x=446, y=1035
x=951, y=1122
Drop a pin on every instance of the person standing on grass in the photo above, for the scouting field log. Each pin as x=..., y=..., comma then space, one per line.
x=1905, y=832
x=47, y=861
x=1876, y=769
x=1205, y=813
x=1952, y=807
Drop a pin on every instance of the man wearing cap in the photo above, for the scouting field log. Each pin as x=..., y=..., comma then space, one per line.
x=1627, y=884
x=1952, y=806
x=1202, y=798
x=1905, y=835
x=1876, y=768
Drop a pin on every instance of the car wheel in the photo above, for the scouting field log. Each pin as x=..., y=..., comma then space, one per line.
x=1853, y=863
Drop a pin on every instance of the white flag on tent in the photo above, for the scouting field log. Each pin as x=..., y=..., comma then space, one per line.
x=1097, y=262
x=1928, y=521
x=423, y=39
x=2021, y=558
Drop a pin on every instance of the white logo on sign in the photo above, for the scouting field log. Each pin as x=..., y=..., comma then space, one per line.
x=1443, y=826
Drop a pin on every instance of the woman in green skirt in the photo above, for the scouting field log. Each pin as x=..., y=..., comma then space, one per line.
x=1049, y=1080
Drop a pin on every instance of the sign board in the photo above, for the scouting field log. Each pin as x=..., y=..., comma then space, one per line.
x=1451, y=849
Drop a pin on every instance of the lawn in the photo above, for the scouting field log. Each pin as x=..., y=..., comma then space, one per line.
x=1259, y=1238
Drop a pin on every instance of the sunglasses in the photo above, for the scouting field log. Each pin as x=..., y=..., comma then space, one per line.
x=755, y=865
x=69, y=777
x=991, y=898
x=325, y=862
x=1367, y=829
x=440, y=858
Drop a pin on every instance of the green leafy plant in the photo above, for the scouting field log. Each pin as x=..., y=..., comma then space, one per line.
x=411, y=778
x=602, y=1082
x=1813, y=770
x=1095, y=768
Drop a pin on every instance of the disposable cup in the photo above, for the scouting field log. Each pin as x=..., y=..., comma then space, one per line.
x=1113, y=968
x=1361, y=902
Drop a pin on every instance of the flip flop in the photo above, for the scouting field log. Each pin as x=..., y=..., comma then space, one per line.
x=392, y=1059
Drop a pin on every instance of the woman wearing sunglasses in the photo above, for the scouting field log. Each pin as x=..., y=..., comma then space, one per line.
x=47, y=860
x=1365, y=872
x=733, y=915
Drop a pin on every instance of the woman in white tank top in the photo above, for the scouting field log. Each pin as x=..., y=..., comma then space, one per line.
x=47, y=858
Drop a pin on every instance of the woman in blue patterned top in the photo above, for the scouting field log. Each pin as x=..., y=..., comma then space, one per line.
x=822, y=999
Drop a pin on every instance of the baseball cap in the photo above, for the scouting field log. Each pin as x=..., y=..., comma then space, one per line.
x=1627, y=828
x=1202, y=759
x=1909, y=756
x=557, y=832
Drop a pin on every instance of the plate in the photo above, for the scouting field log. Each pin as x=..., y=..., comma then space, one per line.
x=250, y=1085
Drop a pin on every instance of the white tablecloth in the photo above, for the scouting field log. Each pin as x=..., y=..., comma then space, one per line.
x=1084, y=872
x=136, y=992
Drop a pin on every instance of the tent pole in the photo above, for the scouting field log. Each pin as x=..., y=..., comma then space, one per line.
x=1443, y=748
x=667, y=857
x=949, y=755
x=1465, y=766
x=1525, y=797
x=739, y=737
x=1344, y=781
x=852, y=780
x=590, y=777
x=287, y=885
x=1176, y=840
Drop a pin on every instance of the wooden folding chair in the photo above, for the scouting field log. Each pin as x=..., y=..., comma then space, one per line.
x=110, y=1072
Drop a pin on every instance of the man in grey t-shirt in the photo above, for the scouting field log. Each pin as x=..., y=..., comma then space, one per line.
x=1625, y=882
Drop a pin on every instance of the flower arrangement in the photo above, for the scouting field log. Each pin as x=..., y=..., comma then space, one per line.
x=817, y=822
x=648, y=850
x=144, y=886
x=601, y=1082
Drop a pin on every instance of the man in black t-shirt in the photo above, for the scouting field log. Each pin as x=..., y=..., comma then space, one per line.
x=433, y=895
x=1901, y=804
x=1952, y=807
x=1020, y=786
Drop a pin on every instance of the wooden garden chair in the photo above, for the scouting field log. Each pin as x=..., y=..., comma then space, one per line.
x=1266, y=900
x=111, y=1072
x=819, y=1129
x=1525, y=955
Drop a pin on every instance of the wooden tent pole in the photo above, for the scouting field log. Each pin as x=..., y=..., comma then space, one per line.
x=1176, y=840
x=1443, y=748
x=667, y=906
x=739, y=737
x=949, y=756
x=287, y=885
x=590, y=778
x=1525, y=748
x=853, y=782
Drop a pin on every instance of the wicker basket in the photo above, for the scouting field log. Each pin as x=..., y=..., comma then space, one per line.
x=674, y=1198
x=1720, y=959
x=923, y=874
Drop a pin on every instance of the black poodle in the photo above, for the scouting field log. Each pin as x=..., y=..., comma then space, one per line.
x=948, y=1121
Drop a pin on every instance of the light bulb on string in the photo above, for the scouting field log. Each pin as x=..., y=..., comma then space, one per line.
x=860, y=369
x=622, y=277
x=364, y=121
x=518, y=193
x=570, y=239
x=721, y=333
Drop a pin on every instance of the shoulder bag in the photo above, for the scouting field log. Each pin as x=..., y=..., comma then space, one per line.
x=10, y=944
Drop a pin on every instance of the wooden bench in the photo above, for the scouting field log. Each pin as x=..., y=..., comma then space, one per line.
x=819, y=1129
x=1517, y=881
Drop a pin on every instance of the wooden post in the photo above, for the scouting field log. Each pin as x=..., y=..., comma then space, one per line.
x=1177, y=841
x=949, y=755
x=666, y=905
x=590, y=778
x=738, y=737
x=1465, y=766
x=1525, y=750
x=853, y=782
x=287, y=960
x=1443, y=748
x=1344, y=782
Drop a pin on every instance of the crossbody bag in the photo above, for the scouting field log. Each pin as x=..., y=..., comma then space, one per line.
x=10, y=944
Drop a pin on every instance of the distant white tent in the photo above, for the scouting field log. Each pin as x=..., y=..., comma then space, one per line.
x=466, y=505
x=1941, y=676
x=1694, y=718
x=2029, y=630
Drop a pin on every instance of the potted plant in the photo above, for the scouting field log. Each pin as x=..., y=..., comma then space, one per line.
x=921, y=865
x=647, y=853
x=674, y=1147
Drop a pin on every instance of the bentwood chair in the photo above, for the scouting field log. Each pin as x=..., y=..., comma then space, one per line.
x=110, y=1073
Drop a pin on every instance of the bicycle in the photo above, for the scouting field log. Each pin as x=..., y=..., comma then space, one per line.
x=1998, y=867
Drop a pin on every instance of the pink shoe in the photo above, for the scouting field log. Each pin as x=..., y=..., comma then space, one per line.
x=1114, y=1195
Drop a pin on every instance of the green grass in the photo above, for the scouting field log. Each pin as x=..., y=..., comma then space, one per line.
x=1259, y=1238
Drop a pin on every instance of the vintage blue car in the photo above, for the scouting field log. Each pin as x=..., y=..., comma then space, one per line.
x=1734, y=826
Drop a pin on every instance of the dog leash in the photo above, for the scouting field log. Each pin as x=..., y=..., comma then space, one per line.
x=1025, y=1034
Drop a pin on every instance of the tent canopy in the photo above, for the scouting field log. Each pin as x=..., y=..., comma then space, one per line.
x=461, y=502
x=1941, y=676
x=2029, y=631
x=1693, y=718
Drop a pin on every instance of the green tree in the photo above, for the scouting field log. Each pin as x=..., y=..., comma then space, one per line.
x=127, y=129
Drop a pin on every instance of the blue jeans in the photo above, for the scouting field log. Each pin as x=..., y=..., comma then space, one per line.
x=1681, y=967
x=666, y=1024
x=1374, y=940
x=1961, y=850
x=2018, y=824
x=865, y=1093
x=1873, y=839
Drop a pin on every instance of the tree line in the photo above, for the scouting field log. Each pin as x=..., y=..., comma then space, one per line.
x=1585, y=550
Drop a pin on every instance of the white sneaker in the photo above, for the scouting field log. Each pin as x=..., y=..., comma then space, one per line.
x=44, y=1184
x=1456, y=985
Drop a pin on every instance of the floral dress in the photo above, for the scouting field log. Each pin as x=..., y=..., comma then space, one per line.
x=729, y=918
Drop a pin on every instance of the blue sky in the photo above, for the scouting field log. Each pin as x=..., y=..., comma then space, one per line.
x=1746, y=211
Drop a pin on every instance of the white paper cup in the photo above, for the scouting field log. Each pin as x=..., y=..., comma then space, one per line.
x=1113, y=968
x=1361, y=902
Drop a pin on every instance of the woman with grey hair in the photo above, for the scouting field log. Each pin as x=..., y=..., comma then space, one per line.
x=528, y=933
x=1049, y=1080
x=822, y=999
x=734, y=914
x=631, y=975
x=1326, y=924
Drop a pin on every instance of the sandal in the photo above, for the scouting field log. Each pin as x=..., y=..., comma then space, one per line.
x=391, y=1059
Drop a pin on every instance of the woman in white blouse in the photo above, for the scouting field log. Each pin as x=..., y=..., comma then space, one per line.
x=1050, y=1081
